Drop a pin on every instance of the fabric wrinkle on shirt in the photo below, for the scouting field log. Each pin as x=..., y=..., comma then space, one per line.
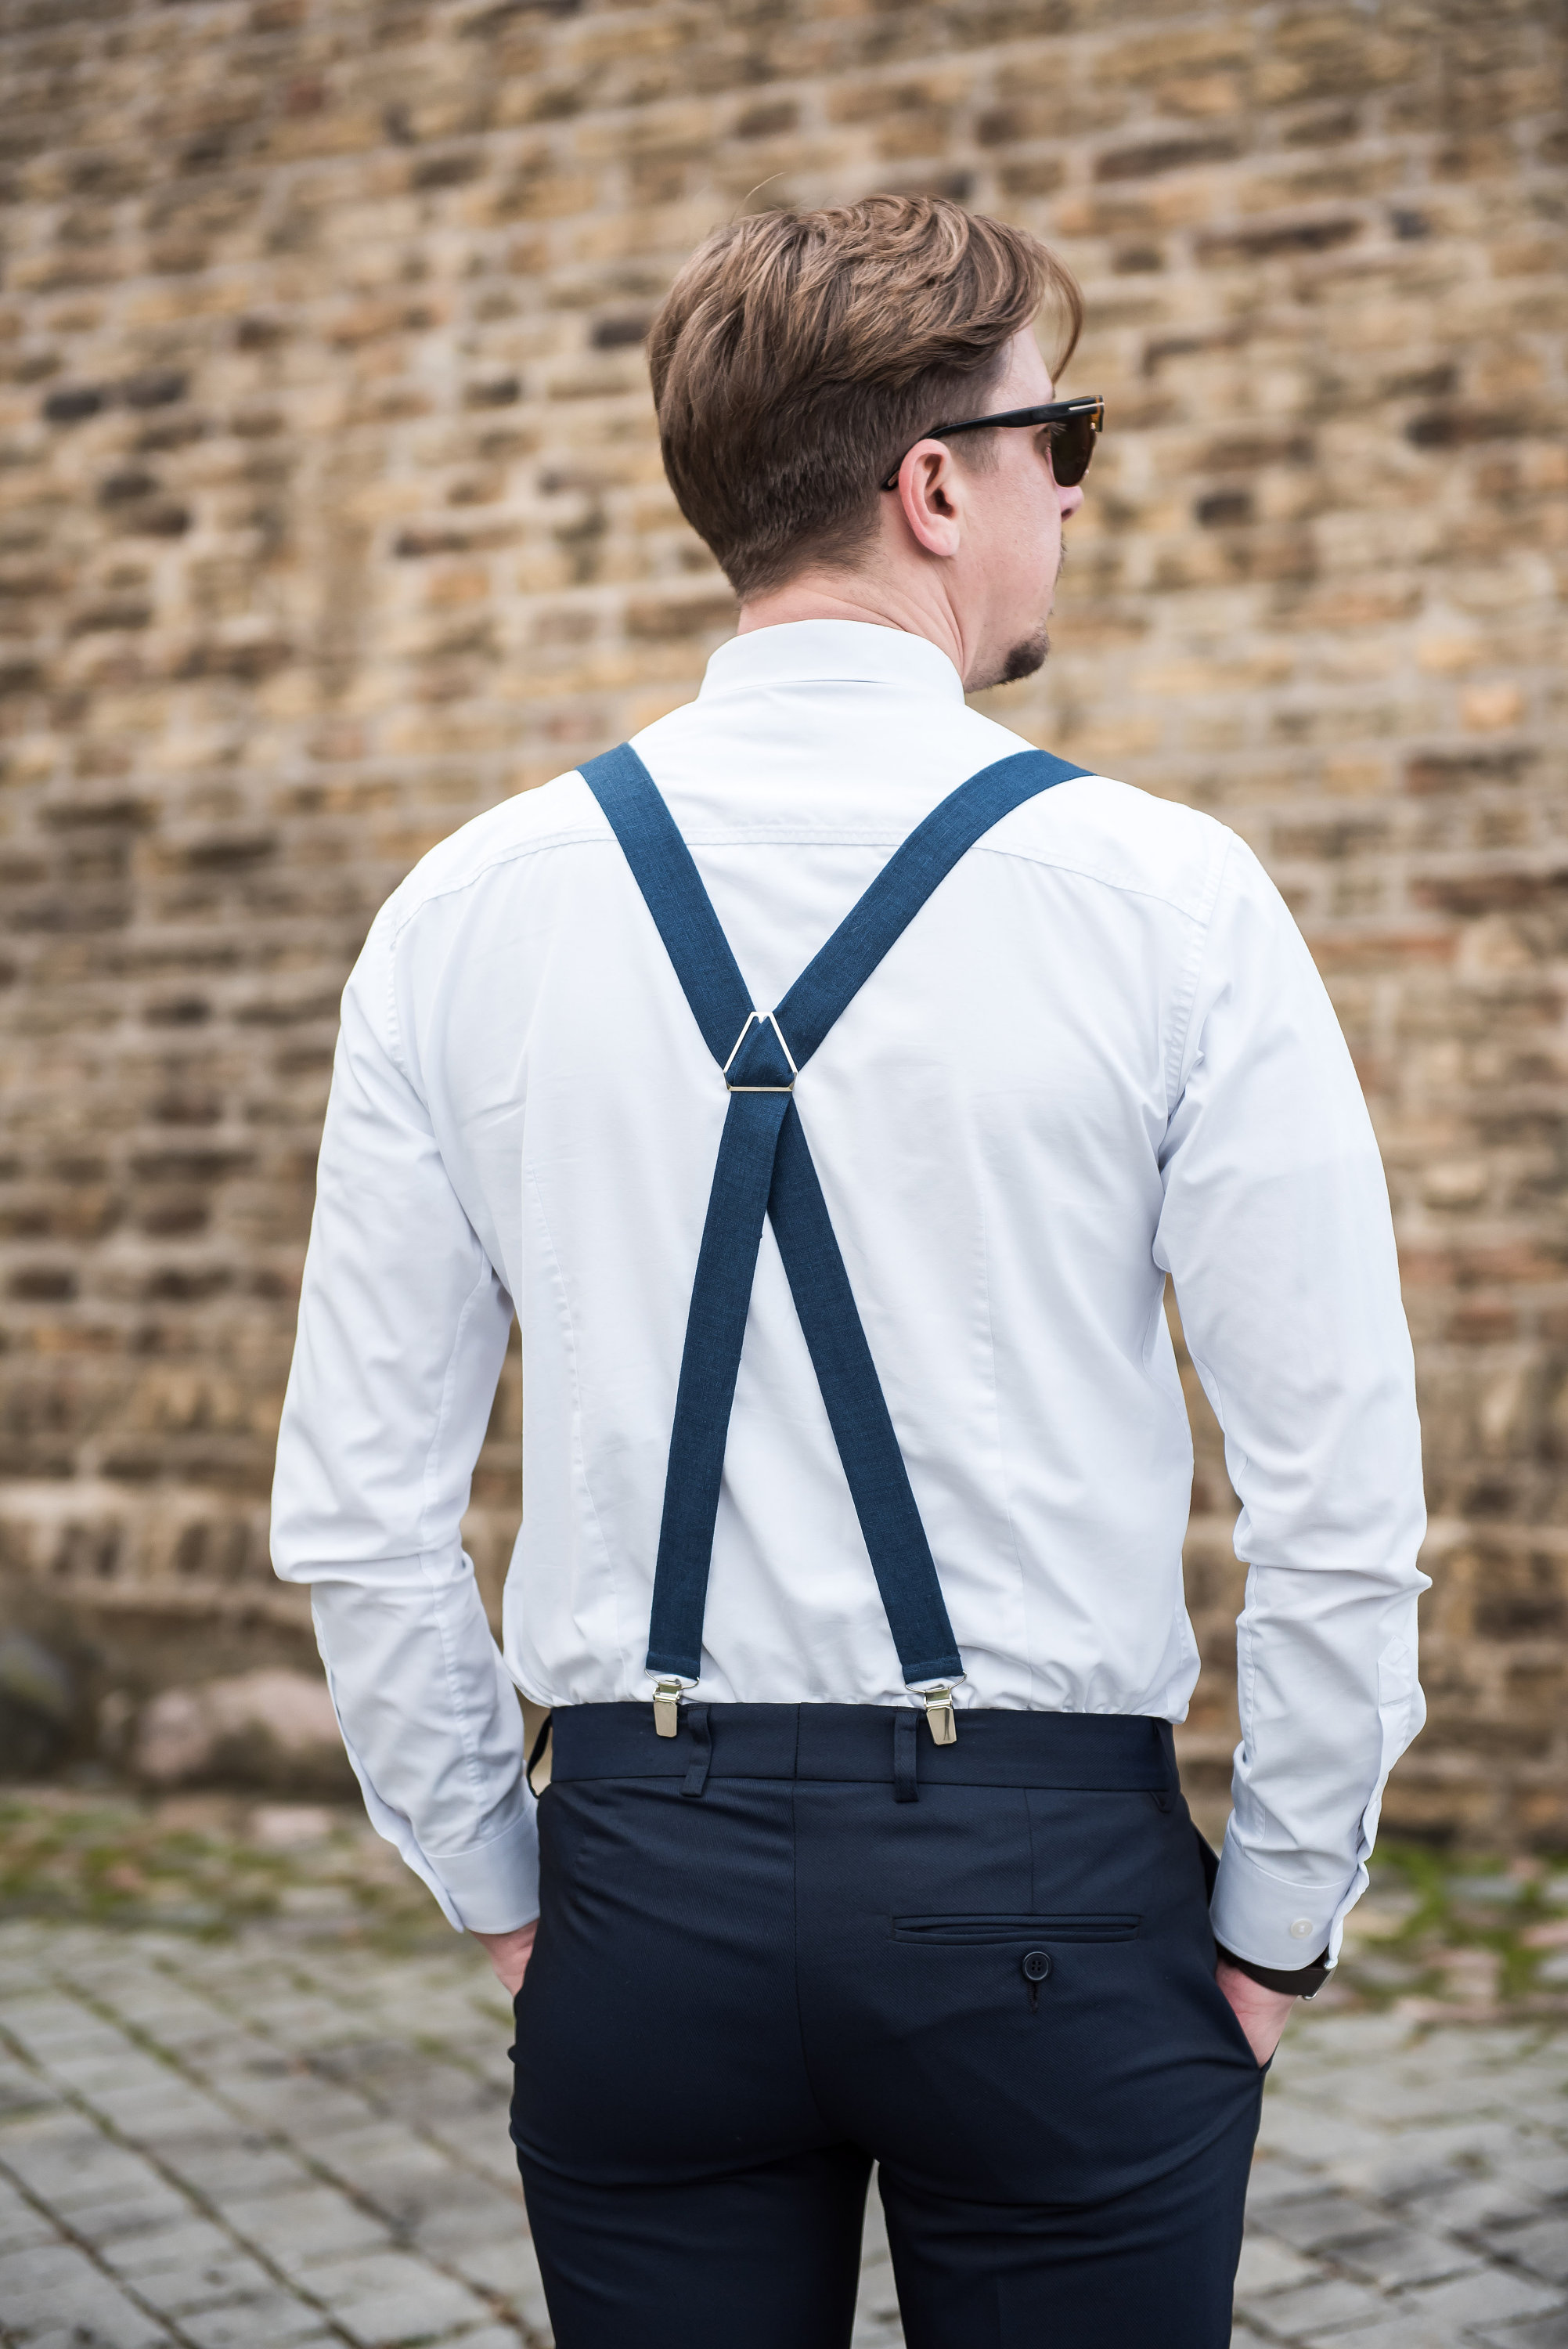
x=1101, y=1054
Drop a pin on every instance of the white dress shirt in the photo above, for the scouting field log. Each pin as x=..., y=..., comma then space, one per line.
x=1100, y=1055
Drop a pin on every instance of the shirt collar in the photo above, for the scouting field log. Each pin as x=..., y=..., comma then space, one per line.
x=839, y=652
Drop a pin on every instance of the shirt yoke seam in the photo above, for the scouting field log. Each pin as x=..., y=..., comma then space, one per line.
x=1199, y=915
x=804, y=837
x=577, y=836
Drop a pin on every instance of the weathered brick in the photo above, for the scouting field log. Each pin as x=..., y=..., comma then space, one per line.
x=330, y=511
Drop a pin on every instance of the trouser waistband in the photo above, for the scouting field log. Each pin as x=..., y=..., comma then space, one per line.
x=1094, y=1752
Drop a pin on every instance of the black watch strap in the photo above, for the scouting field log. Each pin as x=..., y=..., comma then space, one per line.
x=1300, y=1981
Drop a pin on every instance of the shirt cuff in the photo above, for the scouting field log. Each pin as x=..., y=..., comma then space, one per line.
x=1266, y=1920
x=491, y=1888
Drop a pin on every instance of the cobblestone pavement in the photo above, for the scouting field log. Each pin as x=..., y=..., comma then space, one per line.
x=292, y=2131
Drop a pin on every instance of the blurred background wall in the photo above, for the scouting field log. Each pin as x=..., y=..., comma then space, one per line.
x=331, y=512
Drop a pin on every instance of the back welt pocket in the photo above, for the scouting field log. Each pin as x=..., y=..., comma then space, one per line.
x=974, y=1930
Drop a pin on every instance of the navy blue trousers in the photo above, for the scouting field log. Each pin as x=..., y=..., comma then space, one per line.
x=796, y=1940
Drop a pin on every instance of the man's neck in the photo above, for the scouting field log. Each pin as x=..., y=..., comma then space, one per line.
x=845, y=596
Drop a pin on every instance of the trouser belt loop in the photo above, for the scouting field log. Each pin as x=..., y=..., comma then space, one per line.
x=695, y=1720
x=1173, y=1786
x=906, y=1752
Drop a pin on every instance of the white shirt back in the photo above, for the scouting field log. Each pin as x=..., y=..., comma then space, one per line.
x=1099, y=1054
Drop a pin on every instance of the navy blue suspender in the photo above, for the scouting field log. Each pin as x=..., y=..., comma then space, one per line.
x=765, y=1168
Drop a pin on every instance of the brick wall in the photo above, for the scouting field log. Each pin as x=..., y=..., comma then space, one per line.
x=330, y=511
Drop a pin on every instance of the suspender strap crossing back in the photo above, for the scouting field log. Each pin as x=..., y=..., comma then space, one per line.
x=765, y=1168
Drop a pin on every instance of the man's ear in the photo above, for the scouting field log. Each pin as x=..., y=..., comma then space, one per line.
x=931, y=498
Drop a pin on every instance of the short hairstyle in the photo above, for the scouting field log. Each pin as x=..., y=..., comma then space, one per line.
x=798, y=354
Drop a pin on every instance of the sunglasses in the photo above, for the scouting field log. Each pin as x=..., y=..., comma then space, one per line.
x=1074, y=425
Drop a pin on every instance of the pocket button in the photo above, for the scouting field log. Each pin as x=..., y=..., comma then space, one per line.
x=1037, y=1966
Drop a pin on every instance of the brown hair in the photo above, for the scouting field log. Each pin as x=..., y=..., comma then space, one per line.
x=798, y=354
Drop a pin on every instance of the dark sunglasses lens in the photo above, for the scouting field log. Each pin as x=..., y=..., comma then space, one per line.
x=1072, y=446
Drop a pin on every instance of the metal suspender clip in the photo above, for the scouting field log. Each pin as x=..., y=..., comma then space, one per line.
x=667, y=1707
x=940, y=1714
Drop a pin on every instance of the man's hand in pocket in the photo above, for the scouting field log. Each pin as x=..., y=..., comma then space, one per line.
x=509, y=1954
x=1261, y=2013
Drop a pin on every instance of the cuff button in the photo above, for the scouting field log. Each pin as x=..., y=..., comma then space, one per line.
x=1300, y=1927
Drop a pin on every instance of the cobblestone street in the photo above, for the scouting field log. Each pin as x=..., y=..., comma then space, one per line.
x=291, y=2130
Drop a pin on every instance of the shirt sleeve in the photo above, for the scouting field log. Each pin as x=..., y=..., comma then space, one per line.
x=402, y=1329
x=1276, y=1231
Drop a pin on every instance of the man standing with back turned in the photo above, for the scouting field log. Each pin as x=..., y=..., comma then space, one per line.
x=830, y=1081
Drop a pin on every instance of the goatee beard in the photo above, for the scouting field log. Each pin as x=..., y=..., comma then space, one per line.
x=1030, y=653
x=1023, y=660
